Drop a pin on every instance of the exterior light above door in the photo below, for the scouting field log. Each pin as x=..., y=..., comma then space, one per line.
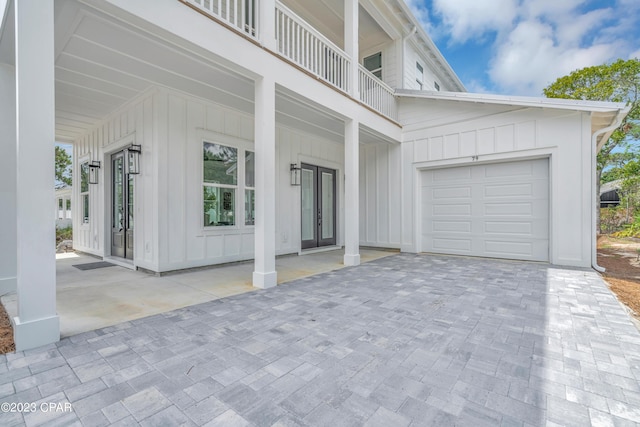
x=133, y=159
x=94, y=165
x=295, y=171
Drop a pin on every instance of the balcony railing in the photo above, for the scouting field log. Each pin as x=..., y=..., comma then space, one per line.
x=305, y=46
x=241, y=14
x=376, y=94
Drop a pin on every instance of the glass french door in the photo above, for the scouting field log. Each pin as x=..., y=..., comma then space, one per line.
x=122, y=208
x=318, y=206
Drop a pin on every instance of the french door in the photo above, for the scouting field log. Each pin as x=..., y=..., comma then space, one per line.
x=318, y=206
x=122, y=208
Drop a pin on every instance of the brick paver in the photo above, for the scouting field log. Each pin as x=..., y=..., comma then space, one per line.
x=406, y=340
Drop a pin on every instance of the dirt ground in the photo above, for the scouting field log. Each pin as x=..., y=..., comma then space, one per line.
x=618, y=256
x=620, y=259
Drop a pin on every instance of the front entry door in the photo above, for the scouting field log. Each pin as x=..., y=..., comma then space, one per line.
x=122, y=212
x=318, y=206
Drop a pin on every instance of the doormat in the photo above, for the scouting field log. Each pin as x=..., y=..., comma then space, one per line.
x=94, y=265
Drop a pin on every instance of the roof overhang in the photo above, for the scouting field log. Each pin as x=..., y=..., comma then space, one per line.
x=603, y=114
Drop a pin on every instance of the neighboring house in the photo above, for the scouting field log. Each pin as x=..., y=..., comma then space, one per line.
x=273, y=127
x=63, y=207
x=609, y=194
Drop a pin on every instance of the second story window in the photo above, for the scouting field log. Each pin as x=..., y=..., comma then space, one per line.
x=436, y=86
x=419, y=75
x=373, y=63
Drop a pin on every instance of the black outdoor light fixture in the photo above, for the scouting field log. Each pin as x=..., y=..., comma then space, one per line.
x=295, y=173
x=94, y=165
x=133, y=159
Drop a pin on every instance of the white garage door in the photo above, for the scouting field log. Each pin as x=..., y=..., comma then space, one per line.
x=498, y=210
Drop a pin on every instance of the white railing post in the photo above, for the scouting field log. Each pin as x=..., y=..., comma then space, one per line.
x=267, y=23
x=351, y=45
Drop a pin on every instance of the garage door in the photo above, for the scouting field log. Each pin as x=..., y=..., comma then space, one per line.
x=498, y=210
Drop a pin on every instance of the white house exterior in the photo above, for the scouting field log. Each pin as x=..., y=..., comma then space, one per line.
x=229, y=101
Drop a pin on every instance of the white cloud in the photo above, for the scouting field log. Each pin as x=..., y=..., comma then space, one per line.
x=468, y=19
x=635, y=54
x=536, y=41
x=530, y=59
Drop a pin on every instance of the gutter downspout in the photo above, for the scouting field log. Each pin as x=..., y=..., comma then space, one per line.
x=595, y=148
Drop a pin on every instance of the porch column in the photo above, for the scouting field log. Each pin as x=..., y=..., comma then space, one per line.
x=351, y=193
x=351, y=44
x=264, y=275
x=37, y=323
x=267, y=23
x=8, y=260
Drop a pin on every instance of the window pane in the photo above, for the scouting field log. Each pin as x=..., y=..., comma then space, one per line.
x=68, y=204
x=219, y=206
x=84, y=177
x=308, y=207
x=249, y=207
x=60, y=204
x=249, y=169
x=220, y=164
x=85, y=208
x=373, y=62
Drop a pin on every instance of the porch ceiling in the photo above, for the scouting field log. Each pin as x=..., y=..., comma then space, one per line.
x=102, y=63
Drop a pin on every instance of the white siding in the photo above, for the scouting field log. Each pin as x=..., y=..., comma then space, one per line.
x=447, y=133
x=380, y=200
x=134, y=120
x=431, y=74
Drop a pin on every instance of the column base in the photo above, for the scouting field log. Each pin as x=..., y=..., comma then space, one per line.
x=265, y=280
x=8, y=285
x=351, y=259
x=35, y=333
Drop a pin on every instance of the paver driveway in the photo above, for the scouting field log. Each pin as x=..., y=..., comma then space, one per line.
x=404, y=340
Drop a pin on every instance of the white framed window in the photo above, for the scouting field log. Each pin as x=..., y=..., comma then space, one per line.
x=419, y=75
x=436, y=86
x=220, y=184
x=84, y=191
x=249, y=188
x=228, y=182
x=373, y=63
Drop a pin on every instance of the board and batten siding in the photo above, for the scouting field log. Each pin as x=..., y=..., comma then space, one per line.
x=440, y=134
x=134, y=122
x=187, y=121
x=380, y=198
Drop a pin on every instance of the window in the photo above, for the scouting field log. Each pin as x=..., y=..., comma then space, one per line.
x=373, y=63
x=220, y=176
x=68, y=204
x=84, y=191
x=249, y=191
x=436, y=86
x=419, y=75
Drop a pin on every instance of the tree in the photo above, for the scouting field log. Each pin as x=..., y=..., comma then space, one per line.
x=615, y=82
x=63, y=168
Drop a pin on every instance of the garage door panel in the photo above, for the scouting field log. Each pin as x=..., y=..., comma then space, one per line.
x=504, y=214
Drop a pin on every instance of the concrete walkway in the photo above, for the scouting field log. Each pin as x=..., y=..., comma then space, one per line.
x=403, y=340
x=93, y=299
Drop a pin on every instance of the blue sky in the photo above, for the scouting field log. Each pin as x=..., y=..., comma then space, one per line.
x=518, y=47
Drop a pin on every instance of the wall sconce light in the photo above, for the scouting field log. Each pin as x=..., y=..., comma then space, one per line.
x=133, y=159
x=94, y=165
x=295, y=171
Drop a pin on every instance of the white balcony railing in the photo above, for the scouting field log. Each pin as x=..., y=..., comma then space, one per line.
x=376, y=94
x=241, y=14
x=302, y=44
x=305, y=46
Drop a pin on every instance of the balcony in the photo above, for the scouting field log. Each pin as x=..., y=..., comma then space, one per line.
x=301, y=44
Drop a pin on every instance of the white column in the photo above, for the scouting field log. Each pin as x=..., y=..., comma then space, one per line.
x=267, y=23
x=7, y=179
x=264, y=275
x=37, y=323
x=351, y=43
x=351, y=193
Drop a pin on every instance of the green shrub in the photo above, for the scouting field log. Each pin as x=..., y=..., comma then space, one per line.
x=64, y=234
x=630, y=230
